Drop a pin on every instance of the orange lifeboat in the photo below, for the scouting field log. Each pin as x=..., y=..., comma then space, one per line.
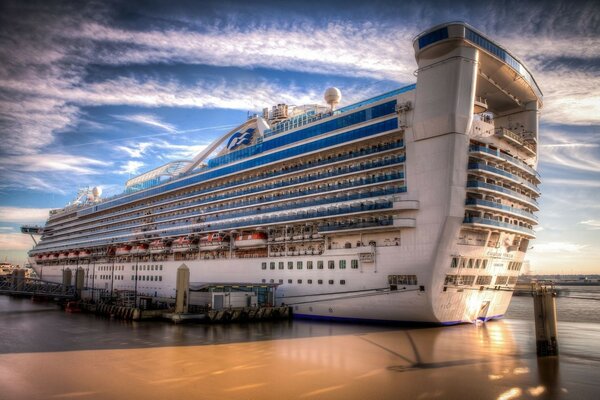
x=73, y=254
x=140, y=249
x=255, y=239
x=123, y=250
x=53, y=256
x=158, y=247
x=85, y=254
x=214, y=241
x=183, y=245
x=63, y=256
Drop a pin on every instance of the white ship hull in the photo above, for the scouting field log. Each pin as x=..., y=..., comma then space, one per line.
x=415, y=205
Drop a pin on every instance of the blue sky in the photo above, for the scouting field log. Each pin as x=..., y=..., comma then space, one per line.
x=92, y=93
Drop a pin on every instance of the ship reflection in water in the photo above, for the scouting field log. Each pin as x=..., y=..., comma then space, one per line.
x=80, y=356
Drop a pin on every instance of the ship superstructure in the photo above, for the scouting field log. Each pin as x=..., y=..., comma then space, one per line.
x=415, y=205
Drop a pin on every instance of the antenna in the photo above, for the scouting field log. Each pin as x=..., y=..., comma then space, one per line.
x=333, y=97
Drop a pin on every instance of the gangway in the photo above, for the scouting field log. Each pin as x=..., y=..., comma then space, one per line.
x=35, y=287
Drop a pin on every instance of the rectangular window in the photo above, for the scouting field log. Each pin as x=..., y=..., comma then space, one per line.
x=331, y=264
x=299, y=280
x=289, y=281
x=272, y=265
x=281, y=281
x=342, y=282
x=331, y=281
x=309, y=281
x=320, y=264
x=280, y=264
x=290, y=265
x=484, y=264
x=320, y=281
x=484, y=280
x=160, y=278
x=354, y=264
x=299, y=265
x=501, y=280
x=264, y=265
x=342, y=264
x=309, y=265
x=470, y=263
x=455, y=261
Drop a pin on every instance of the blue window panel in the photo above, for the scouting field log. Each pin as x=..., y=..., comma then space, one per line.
x=433, y=37
x=366, y=131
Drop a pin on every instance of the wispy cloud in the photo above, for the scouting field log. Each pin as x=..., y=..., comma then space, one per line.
x=149, y=120
x=130, y=168
x=15, y=241
x=593, y=224
x=23, y=215
x=558, y=247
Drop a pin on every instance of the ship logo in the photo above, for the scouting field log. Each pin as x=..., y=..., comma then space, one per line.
x=240, y=138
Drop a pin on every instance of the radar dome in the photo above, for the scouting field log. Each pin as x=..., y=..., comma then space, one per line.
x=333, y=96
x=97, y=191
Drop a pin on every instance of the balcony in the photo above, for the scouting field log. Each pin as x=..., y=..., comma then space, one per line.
x=511, y=210
x=497, y=171
x=477, y=221
x=499, y=155
x=516, y=139
x=499, y=189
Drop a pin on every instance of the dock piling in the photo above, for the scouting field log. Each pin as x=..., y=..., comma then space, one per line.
x=544, y=306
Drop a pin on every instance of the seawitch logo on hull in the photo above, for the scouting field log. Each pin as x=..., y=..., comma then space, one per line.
x=240, y=138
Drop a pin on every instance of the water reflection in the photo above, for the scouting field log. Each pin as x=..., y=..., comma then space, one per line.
x=296, y=359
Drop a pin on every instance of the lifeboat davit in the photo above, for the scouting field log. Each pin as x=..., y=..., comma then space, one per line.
x=158, y=247
x=85, y=254
x=123, y=250
x=139, y=249
x=256, y=239
x=183, y=245
x=214, y=241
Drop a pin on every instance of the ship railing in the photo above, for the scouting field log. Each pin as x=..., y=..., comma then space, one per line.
x=359, y=182
x=257, y=220
x=506, y=174
x=324, y=200
x=120, y=199
x=512, y=160
x=515, y=139
x=505, y=225
x=509, y=209
x=356, y=155
x=496, y=188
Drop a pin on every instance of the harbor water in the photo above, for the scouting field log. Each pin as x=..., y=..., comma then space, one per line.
x=46, y=353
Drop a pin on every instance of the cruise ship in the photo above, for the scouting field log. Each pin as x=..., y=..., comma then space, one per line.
x=416, y=205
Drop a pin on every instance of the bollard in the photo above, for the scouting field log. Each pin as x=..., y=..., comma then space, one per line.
x=183, y=288
x=66, y=281
x=79, y=280
x=544, y=306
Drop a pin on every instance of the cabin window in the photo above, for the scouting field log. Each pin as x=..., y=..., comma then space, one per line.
x=299, y=265
x=272, y=265
x=331, y=281
x=289, y=281
x=320, y=281
x=320, y=264
x=342, y=282
x=455, y=261
x=331, y=264
x=309, y=281
x=354, y=264
x=290, y=265
x=309, y=265
x=299, y=280
x=280, y=264
x=264, y=265
x=342, y=264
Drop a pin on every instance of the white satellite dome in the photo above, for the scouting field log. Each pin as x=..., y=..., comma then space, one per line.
x=97, y=191
x=333, y=96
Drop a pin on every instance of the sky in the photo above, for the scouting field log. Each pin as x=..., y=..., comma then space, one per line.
x=93, y=93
